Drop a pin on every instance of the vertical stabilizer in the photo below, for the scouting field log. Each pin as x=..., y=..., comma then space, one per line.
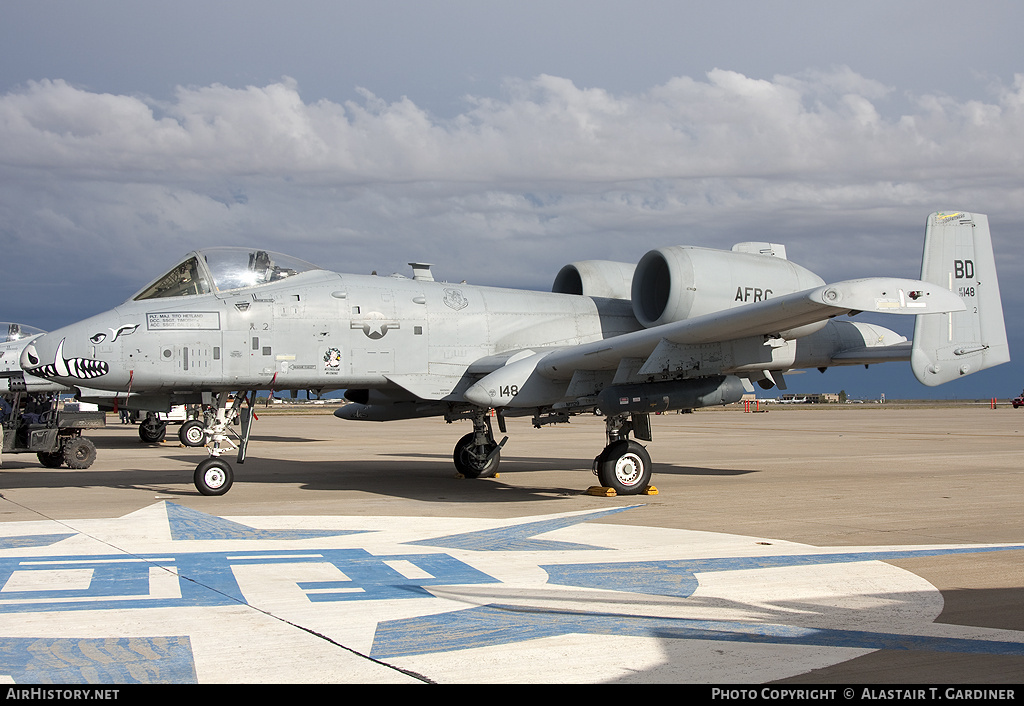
x=958, y=256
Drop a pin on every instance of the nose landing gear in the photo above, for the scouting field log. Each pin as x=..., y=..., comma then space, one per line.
x=214, y=475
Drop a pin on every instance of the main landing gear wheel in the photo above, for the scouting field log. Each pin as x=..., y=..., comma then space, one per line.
x=152, y=430
x=192, y=433
x=213, y=476
x=624, y=466
x=473, y=460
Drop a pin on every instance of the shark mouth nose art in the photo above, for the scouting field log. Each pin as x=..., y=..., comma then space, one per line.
x=61, y=367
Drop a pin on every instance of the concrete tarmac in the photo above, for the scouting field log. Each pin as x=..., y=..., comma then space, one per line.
x=835, y=544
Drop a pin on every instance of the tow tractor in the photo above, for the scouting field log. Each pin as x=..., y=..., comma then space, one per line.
x=54, y=435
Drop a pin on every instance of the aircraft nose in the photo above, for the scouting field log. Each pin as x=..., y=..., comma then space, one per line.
x=46, y=357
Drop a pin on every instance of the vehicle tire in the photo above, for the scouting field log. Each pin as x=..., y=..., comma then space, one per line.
x=152, y=432
x=213, y=477
x=79, y=452
x=624, y=466
x=192, y=433
x=51, y=459
x=469, y=464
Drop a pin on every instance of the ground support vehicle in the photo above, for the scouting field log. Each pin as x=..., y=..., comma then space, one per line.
x=56, y=438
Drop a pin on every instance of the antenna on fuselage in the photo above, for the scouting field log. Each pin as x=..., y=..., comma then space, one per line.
x=421, y=271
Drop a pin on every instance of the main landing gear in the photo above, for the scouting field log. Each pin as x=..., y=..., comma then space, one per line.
x=152, y=429
x=477, y=455
x=193, y=433
x=624, y=465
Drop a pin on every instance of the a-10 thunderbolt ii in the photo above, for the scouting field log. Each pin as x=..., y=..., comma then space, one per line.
x=684, y=328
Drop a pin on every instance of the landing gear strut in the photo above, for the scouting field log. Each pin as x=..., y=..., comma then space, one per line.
x=625, y=465
x=214, y=476
x=477, y=455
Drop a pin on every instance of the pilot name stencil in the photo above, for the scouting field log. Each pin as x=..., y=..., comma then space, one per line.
x=183, y=320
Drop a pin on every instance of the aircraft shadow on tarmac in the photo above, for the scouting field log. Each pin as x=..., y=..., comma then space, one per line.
x=128, y=441
x=566, y=464
x=427, y=477
x=898, y=653
x=896, y=658
x=429, y=482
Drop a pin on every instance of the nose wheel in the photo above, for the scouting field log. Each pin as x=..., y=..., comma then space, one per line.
x=213, y=476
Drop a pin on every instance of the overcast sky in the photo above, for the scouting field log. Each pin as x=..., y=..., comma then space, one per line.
x=501, y=140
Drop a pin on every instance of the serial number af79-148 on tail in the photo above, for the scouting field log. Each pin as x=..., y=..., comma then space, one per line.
x=684, y=328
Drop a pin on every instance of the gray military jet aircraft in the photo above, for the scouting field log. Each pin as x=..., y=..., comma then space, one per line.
x=684, y=328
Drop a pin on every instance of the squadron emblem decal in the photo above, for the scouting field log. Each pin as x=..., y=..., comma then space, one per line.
x=455, y=299
x=332, y=360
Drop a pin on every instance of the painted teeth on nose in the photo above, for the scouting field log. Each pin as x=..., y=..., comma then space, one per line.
x=81, y=368
x=88, y=368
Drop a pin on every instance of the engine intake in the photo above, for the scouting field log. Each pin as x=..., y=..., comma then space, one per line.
x=681, y=282
x=595, y=278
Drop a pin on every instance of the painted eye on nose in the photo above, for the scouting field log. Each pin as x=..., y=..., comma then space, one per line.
x=99, y=338
x=30, y=356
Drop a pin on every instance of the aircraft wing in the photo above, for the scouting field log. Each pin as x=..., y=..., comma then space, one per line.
x=770, y=317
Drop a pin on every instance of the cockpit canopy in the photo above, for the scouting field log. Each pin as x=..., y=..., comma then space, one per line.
x=221, y=270
x=16, y=332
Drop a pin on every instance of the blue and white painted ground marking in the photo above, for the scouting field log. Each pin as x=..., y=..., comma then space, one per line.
x=171, y=594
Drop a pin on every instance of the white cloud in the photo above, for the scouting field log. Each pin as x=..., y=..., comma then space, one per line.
x=545, y=129
x=582, y=172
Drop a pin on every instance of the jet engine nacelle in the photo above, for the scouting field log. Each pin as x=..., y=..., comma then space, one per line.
x=681, y=282
x=595, y=278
